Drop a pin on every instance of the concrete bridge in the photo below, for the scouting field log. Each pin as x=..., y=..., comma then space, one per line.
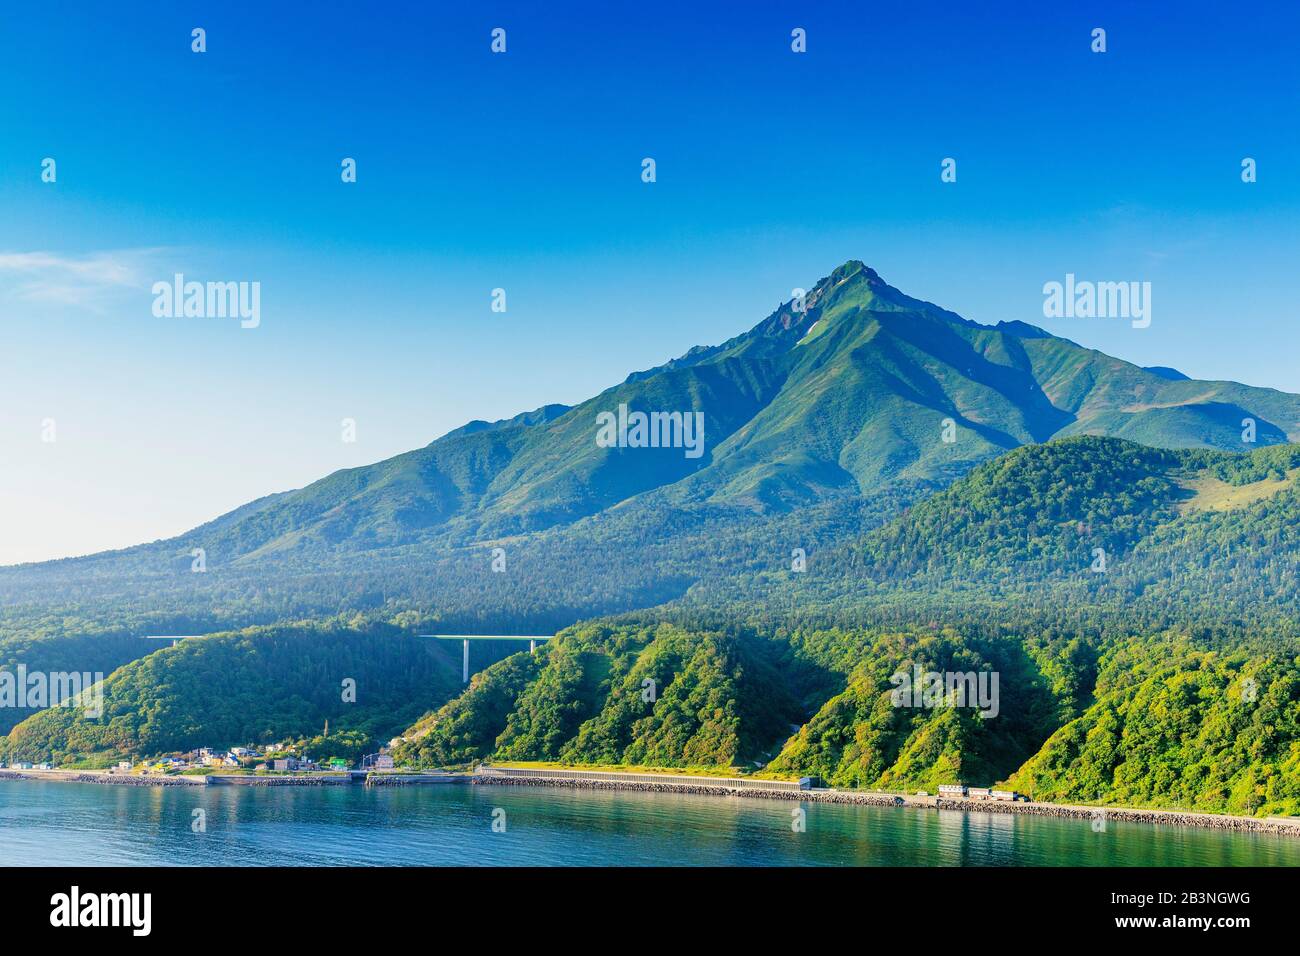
x=174, y=638
x=532, y=640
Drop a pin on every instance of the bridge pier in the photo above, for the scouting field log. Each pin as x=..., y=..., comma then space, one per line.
x=532, y=639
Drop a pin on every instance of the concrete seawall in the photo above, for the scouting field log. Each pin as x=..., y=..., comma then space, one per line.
x=1274, y=826
x=1177, y=818
x=500, y=779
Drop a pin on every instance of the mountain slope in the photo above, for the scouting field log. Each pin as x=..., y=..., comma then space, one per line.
x=820, y=424
x=1095, y=706
x=836, y=400
x=1119, y=685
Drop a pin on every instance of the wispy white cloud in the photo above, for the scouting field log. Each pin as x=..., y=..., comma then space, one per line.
x=89, y=281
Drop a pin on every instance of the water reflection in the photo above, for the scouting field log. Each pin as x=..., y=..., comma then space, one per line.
x=70, y=824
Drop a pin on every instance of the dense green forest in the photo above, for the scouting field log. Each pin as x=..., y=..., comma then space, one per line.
x=258, y=685
x=764, y=667
x=650, y=694
x=1142, y=722
x=1176, y=725
x=885, y=486
x=640, y=556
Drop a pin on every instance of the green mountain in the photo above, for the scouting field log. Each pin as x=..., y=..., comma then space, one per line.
x=1092, y=533
x=832, y=401
x=1120, y=685
x=819, y=423
x=835, y=400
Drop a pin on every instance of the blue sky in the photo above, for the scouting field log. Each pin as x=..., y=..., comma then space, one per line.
x=522, y=171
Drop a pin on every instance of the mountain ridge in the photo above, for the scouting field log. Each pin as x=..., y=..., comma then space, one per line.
x=835, y=396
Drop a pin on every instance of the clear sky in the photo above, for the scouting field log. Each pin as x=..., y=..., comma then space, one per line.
x=522, y=171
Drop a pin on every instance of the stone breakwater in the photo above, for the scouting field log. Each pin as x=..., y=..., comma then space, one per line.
x=860, y=798
x=239, y=780
x=165, y=780
x=412, y=779
x=134, y=780
x=1177, y=818
x=112, y=779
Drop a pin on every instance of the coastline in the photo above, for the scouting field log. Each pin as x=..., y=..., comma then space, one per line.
x=705, y=786
x=335, y=779
x=101, y=776
x=1266, y=825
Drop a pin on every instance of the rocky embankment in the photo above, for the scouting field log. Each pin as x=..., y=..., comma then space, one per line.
x=412, y=779
x=175, y=780
x=112, y=779
x=862, y=798
x=703, y=788
x=1177, y=818
x=304, y=780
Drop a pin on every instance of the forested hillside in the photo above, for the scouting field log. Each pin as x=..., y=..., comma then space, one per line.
x=1149, y=721
x=883, y=485
x=656, y=695
x=1183, y=532
x=257, y=685
x=1176, y=725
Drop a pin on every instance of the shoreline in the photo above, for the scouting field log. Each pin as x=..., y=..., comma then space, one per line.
x=336, y=779
x=502, y=777
x=1212, y=821
x=101, y=777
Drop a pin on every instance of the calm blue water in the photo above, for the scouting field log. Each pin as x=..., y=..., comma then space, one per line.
x=89, y=825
